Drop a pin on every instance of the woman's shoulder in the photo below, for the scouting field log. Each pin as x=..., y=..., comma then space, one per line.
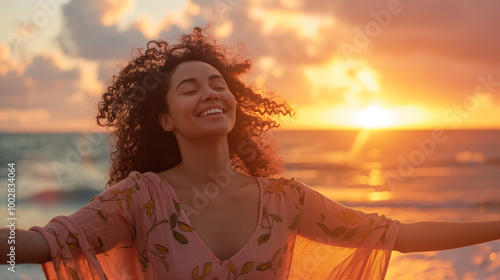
x=282, y=184
x=136, y=182
x=289, y=181
x=135, y=190
x=140, y=178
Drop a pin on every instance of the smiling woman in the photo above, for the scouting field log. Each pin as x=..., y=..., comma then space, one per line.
x=190, y=194
x=138, y=95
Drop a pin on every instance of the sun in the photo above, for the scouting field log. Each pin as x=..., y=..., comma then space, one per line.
x=374, y=117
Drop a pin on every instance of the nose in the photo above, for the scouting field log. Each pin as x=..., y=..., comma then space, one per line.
x=210, y=94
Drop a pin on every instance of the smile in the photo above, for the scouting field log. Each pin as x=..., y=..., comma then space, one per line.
x=211, y=111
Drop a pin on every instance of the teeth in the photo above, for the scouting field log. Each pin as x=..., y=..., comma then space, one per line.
x=211, y=111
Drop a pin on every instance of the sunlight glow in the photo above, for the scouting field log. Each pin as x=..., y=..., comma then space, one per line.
x=304, y=25
x=379, y=196
x=374, y=117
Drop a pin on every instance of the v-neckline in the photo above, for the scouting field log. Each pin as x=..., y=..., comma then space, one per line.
x=195, y=233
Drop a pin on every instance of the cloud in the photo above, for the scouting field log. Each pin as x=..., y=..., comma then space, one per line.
x=6, y=63
x=14, y=92
x=94, y=30
x=85, y=36
x=44, y=69
x=15, y=117
x=112, y=11
x=457, y=30
x=42, y=120
x=43, y=87
x=427, y=51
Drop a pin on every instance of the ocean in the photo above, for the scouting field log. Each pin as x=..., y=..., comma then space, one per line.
x=408, y=175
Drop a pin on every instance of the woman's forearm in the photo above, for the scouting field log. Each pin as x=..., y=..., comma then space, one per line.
x=441, y=235
x=29, y=247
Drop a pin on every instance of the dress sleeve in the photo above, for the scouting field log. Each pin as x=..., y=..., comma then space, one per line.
x=337, y=242
x=92, y=242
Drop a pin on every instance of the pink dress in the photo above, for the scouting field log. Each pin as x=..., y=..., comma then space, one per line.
x=137, y=229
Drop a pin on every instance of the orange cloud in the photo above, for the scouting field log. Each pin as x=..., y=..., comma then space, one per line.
x=112, y=11
x=302, y=24
x=182, y=17
x=10, y=117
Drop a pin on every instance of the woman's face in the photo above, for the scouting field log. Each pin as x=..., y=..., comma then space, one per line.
x=199, y=102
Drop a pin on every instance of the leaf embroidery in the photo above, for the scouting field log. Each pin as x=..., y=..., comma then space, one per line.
x=119, y=195
x=150, y=207
x=206, y=268
x=177, y=206
x=275, y=187
x=161, y=252
x=161, y=249
x=275, y=263
x=383, y=239
x=101, y=214
x=348, y=216
x=264, y=266
x=179, y=237
x=263, y=238
x=185, y=227
x=349, y=234
x=72, y=241
x=276, y=218
x=173, y=220
x=295, y=224
x=231, y=267
x=325, y=229
x=270, y=218
x=247, y=267
x=73, y=273
x=195, y=272
x=338, y=231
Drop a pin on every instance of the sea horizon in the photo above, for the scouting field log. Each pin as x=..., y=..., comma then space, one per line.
x=407, y=175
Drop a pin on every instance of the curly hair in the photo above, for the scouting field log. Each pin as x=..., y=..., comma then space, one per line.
x=137, y=95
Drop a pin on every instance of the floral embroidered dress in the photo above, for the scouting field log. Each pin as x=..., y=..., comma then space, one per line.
x=137, y=229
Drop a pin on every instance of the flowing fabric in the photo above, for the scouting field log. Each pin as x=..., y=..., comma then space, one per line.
x=138, y=229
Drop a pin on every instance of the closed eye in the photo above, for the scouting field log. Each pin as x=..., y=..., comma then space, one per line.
x=218, y=86
x=190, y=91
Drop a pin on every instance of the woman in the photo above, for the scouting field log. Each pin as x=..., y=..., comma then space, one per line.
x=191, y=195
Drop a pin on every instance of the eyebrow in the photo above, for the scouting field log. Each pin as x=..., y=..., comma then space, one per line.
x=192, y=80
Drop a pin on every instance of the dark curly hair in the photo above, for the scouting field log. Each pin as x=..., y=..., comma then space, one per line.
x=137, y=95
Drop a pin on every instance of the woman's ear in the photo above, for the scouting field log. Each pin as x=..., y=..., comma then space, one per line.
x=165, y=122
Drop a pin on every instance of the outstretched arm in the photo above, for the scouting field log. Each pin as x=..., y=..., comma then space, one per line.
x=30, y=247
x=433, y=236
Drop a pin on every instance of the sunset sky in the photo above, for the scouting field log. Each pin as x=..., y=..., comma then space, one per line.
x=340, y=64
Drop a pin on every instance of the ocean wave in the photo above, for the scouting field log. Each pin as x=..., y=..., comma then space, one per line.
x=83, y=195
x=463, y=159
x=456, y=204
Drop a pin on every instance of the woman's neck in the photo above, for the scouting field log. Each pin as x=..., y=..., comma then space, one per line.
x=203, y=158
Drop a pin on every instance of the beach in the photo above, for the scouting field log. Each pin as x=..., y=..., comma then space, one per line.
x=405, y=175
